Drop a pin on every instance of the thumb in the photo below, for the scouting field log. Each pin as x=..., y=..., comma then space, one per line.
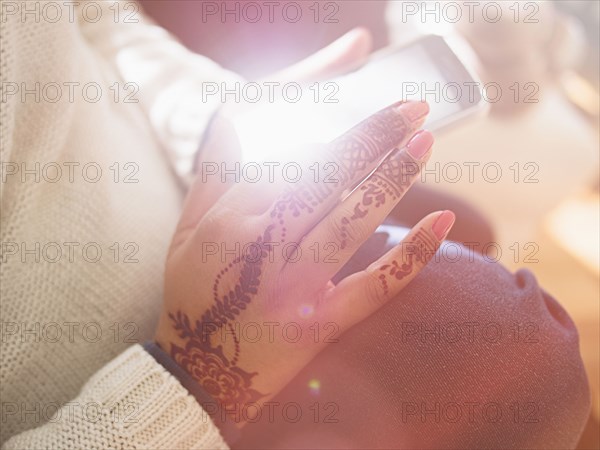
x=341, y=56
x=221, y=150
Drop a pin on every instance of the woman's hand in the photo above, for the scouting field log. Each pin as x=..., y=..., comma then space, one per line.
x=341, y=56
x=248, y=296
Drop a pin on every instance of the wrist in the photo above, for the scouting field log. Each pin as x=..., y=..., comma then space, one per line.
x=229, y=428
x=204, y=366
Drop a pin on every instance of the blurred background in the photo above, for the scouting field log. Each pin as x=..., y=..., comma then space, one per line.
x=546, y=218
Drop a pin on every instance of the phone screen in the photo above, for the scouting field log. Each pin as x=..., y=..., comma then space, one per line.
x=424, y=70
x=410, y=73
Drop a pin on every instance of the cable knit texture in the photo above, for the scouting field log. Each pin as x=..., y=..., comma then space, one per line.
x=83, y=253
x=130, y=403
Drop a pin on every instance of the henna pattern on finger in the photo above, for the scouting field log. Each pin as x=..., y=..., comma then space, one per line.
x=418, y=251
x=388, y=183
x=369, y=141
x=296, y=201
x=353, y=153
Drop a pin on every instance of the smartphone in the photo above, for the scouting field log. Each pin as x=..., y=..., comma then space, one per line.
x=427, y=69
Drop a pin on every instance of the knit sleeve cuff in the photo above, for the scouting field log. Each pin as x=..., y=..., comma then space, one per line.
x=132, y=402
x=228, y=429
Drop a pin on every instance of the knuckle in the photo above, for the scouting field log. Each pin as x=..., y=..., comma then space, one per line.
x=360, y=229
x=386, y=128
x=336, y=230
x=355, y=152
x=329, y=156
x=422, y=248
x=401, y=168
x=344, y=230
x=372, y=289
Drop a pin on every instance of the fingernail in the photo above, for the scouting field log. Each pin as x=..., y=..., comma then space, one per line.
x=413, y=111
x=443, y=224
x=419, y=144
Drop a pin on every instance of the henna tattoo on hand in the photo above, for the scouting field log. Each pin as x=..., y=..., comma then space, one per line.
x=369, y=141
x=210, y=367
x=229, y=305
x=353, y=153
x=206, y=361
x=419, y=249
x=388, y=183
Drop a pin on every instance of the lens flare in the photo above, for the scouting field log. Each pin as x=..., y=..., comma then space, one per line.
x=314, y=386
x=306, y=311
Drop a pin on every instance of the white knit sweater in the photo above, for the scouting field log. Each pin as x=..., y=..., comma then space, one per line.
x=67, y=311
